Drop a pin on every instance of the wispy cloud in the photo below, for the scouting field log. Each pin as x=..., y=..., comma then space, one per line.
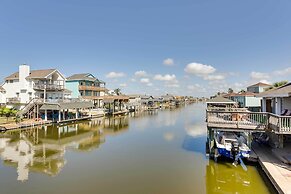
x=259, y=75
x=283, y=72
x=169, y=62
x=115, y=74
x=145, y=80
x=167, y=77
x=199, y=69
x=140, y=74
x=123, y=85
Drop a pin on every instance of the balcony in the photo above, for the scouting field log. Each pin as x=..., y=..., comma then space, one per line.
x=13, y=100
x=48, y=87
x=245, y=120
x=92, y=88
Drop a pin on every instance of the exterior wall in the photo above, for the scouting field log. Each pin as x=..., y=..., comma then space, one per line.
x=17, y=89
x=74, y=87
x=252, y=101
x=286, y=103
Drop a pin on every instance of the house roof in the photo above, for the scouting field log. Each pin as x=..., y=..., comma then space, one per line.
x=34, y=74
x=67, y=105
x=282, y=91
x=83, y=77
x=220, y=100
x=240, y=94
x=260, y=84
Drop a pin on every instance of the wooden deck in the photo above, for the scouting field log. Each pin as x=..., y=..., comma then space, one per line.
x=24, y=124
x=278, y=173
x=245, y=120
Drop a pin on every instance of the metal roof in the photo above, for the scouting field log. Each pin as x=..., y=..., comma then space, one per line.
x=34, y=74
x=67, y=105
x=282, y=91
x=220, y=100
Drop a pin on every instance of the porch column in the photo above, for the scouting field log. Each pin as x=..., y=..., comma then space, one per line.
x=277, y=106
x=77, y=111
x=264, y=105
x=45, y=115
x=60, y=115
x=64, y=114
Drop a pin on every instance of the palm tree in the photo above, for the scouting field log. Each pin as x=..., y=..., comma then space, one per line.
x=117, y=91
x=230, y=90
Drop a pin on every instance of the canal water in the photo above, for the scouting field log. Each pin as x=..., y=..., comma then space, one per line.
x=160, y=152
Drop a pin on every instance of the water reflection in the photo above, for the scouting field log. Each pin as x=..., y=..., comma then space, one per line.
x=42, y=149
x=151, y=152
x=225, y=178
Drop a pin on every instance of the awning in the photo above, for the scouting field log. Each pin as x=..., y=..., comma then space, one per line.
x=74, y=105
x=220, y=100
x=50, y=107
x=67, y=105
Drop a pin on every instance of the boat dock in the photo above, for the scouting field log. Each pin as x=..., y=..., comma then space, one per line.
x=278, y=172
x=24, y=124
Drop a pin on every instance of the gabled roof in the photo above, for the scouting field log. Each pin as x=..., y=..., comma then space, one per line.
x=282, y=91
x=220, y=100
x=34, y=74
x=83, y=77
x=260, y=84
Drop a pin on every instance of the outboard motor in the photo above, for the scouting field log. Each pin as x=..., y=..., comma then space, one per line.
x=235, y=151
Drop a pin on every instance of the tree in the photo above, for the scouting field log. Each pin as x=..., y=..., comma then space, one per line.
x=277, y=84
x=117, y=91
x=281, y=83
x=8, y=112
x=242, y=91
x=230, y=90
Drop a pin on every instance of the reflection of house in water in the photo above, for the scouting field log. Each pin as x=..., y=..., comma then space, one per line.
x=42, y=149
x=114, y=125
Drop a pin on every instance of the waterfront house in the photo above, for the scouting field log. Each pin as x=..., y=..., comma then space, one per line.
x=23, y=86
x=258, y=87
x=88, y=87
x=277, y=100
x=246, y=100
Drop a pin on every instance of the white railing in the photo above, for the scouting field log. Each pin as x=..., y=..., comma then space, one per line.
x=249, y=120
x=42, y=86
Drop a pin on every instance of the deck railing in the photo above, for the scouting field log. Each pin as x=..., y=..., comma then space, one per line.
x=249, y=120
x=42, y=86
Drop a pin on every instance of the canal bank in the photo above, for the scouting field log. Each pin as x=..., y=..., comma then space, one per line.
x=147, y=152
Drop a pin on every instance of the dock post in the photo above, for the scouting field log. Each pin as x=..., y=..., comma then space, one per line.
x=249, y=139
x=60, y=115
x=77, y=111
x=45, y=115
x=281, y=141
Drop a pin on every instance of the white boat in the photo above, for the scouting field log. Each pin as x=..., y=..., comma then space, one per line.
x=231, y=145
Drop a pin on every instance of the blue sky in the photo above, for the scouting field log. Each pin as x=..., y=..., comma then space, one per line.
x=182, y=47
